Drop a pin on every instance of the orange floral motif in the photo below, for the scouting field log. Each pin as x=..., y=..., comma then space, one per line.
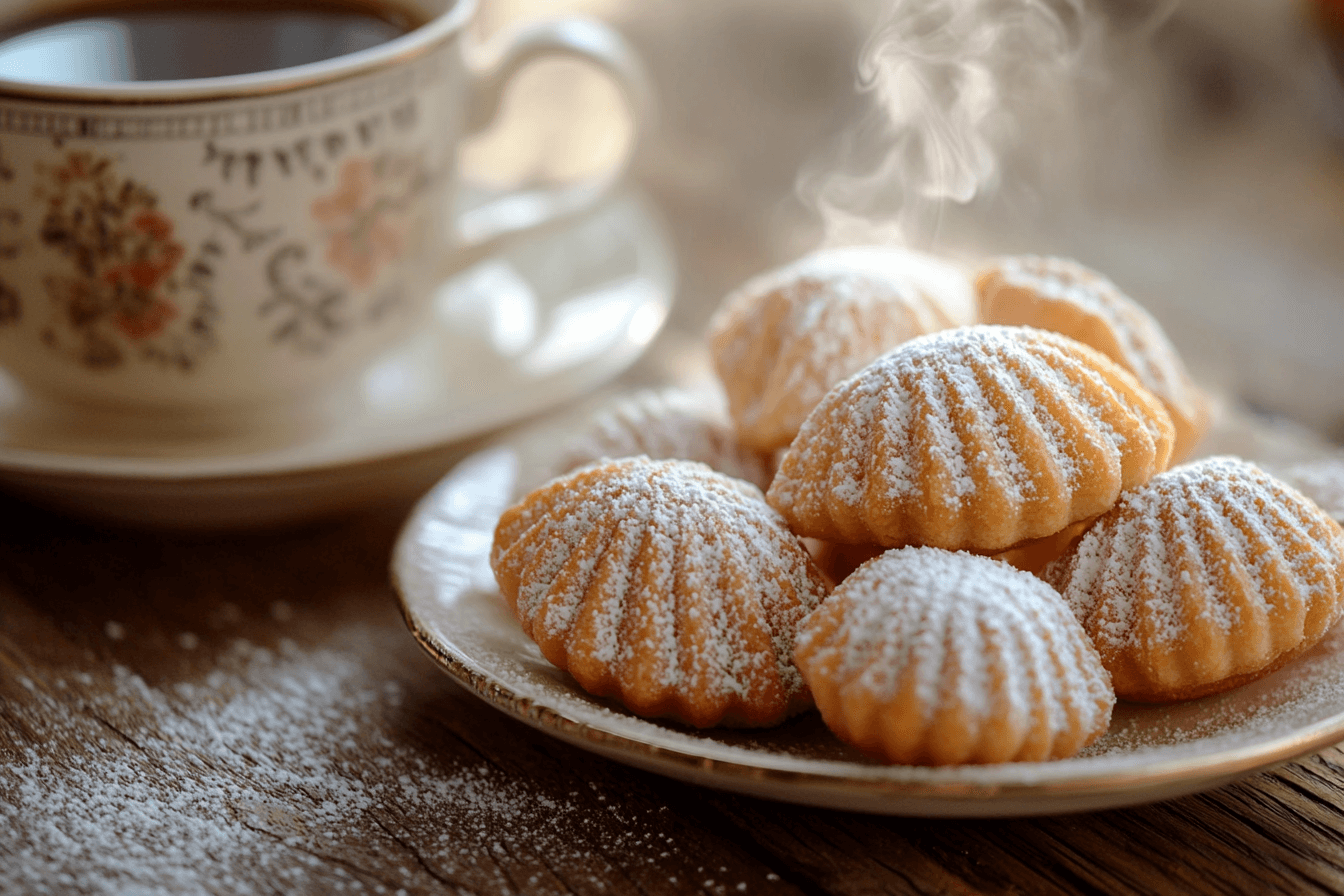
x=77, y=166
x=153, y=224
x=156, y=258
x=369, y=216
x=123, y=252
x=148, y=322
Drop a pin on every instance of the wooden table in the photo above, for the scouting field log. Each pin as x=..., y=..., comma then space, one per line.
x=246, y=712
x=249, y=714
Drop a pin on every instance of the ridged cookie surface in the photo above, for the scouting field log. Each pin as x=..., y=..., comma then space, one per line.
x=1210, y=576
x=666, y=424
x=786, y=337
x=978, y=438
x=928, y=657
x=670, y=587
x=1063, y=296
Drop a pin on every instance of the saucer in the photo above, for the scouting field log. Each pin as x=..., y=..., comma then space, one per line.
x=546, y=319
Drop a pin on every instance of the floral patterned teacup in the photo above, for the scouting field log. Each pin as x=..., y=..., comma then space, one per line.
x=224, y=245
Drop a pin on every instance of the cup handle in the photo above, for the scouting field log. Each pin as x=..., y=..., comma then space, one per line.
x=479, y=229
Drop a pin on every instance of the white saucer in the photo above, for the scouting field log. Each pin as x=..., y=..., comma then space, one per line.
x=545, y=320
x=441, y=570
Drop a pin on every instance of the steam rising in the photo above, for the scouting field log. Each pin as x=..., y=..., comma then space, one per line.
x=958, y=88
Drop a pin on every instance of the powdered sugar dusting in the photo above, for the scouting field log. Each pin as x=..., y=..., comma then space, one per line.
x=1005, y=469
x=919, y=444
x=1149, y=752
x=1143, y=347
x=1061, y=295
x=782, y=340
x=1043, y=428
x=1189, y=547
x=944, y=445
x=964, y=637
x=172, y=789
x=664, y=424
x=662, y=582
x=871, y=401
x=938, y=291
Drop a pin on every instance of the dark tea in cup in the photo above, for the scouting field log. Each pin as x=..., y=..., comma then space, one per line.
x=169, y=40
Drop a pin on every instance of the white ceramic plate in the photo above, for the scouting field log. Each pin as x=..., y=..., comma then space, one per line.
x=545, y=320
x=441, y=569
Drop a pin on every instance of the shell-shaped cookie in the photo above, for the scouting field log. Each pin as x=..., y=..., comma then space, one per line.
x=783, y=339
x=927, y=657
x=1063, y=296
x=670, y=587
x=666, y=424
x=978, y=438
x=1210, y=576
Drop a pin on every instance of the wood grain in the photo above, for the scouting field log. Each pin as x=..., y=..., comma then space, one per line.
x=539, y=816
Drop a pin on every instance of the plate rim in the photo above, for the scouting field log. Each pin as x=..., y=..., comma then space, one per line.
x=871, y=792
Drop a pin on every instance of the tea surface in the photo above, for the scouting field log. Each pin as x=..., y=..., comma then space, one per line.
x=166, y=40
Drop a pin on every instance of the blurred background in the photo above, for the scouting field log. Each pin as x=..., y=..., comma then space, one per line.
x=1190, y=150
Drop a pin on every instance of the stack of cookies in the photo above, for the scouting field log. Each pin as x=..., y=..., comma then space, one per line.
x=971, y=540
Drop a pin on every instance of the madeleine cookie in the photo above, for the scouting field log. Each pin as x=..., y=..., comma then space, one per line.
x=978, y=438
x=1063, y=296
x=670, y=587
x=1208, y=577
x=782, y=340
x=666, y=424
x=927, y=657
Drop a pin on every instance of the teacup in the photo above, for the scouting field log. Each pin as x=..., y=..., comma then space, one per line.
x=226, y=244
